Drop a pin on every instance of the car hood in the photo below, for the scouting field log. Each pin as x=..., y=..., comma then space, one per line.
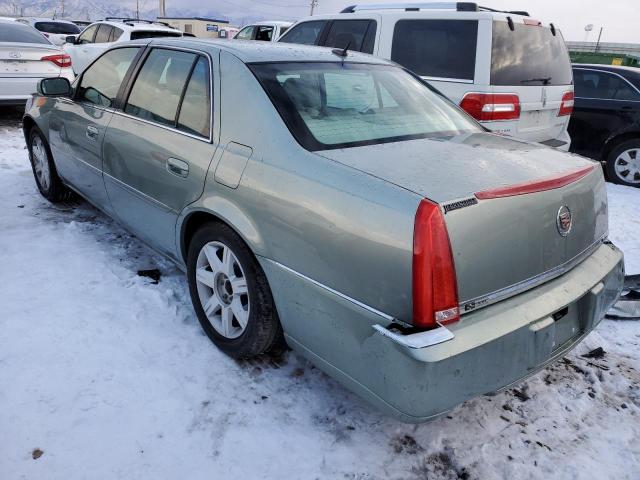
x=445, y=169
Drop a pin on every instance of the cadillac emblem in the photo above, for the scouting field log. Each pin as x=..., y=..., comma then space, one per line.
x=564, y=221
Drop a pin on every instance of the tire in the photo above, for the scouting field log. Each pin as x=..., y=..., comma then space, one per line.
x=230, y=293
x=623, y=163
x=44, y=169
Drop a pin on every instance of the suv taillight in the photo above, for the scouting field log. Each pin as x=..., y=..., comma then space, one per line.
x=435, y=288
x=62, y=60
x=566, y=107
x=488, y=107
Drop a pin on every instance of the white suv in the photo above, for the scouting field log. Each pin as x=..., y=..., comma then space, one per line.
x=507, y=70
x=99, y=36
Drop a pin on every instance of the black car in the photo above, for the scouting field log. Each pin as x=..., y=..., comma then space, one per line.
x=605, y=124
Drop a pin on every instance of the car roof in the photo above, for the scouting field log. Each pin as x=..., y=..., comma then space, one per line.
x=45, y=19
x=279, y=23
x=253, y=52
x=136, y=26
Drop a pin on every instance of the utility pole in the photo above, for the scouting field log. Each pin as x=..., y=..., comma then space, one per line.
x=62, y=13
x=162, y=9
x=599, y=36
x=137, y=10
x=314, y=3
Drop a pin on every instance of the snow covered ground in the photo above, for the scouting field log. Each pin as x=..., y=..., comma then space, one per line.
x=106, y=375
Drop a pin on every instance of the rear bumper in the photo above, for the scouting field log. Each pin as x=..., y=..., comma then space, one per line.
x=487, y=351
x=20, y=89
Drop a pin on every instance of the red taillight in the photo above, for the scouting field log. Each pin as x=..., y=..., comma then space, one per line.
x=62, y=60
x=435, y=288
x=566, y=107
x=488, y=107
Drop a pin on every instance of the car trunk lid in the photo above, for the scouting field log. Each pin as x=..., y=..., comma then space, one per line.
x=503, y=241
x=24, y=60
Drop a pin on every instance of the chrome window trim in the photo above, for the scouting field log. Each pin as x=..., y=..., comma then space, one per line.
x=482, y=301
x=335, y=292
x=448, y=79
x=614, y=74
x=151, y=47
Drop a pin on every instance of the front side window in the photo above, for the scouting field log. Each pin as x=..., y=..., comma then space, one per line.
x=245, y=34
x=60, y=28
x=528, y=55
x=352, y=34
x=19, y=33
x=87, y=35
x=305, y=33
x=603, y=85
x=264, y=33
x=330, y=105
x=101, y=81
x=436, y=48
x=104, y=33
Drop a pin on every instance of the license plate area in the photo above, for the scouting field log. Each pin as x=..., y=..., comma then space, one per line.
x=566, y=326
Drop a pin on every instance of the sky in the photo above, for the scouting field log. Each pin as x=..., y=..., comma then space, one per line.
x=618, y=17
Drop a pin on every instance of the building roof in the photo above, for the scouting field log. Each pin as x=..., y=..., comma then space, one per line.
x=202, y=19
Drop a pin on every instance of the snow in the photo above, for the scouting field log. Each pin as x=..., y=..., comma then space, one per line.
x=109, y=375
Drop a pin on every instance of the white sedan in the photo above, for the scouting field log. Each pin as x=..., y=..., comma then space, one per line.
x=26, y=56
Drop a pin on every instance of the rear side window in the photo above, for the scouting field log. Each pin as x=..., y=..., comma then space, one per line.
x=101, y=81
x=137, y=35
x=436, y=48
x=358, y=35
x=87, y=35
x=305, y=33
x=104, y=33
x=115, y=34
x=57, y=28
x=528, y=55
x=195, y=111
x=19, y=33
x=603, y=85
x=264, y=33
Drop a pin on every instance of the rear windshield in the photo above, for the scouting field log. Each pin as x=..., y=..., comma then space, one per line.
x=153, y=34
x=57, y=27
x=19, y=33
x=331, y=105
x=436, y=48
x=528, y=55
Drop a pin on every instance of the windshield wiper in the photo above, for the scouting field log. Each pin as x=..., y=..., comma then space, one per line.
x=544, y=80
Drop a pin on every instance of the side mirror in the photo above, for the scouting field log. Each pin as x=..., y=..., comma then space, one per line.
x=71, y=39
x=54, y=87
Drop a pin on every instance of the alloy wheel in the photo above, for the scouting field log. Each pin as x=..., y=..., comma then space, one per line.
x=222, y=289
x=627, y=166
x=41, y=162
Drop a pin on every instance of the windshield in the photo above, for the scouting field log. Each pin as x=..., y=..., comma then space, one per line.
x=334, y=105
x=528, y=55
x=57, y=27
x=19, y=33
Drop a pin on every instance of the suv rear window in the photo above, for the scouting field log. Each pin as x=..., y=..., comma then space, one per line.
x=138, y=34
x=528, y=55
x=436, y=48
x=61, y=28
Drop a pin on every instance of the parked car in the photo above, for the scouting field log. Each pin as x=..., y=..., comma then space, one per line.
x=26, y=56
x=605, y=124
x=263, y=31
x=55, y=30
x=507, y=70
x=341, y=202
x=99, y=36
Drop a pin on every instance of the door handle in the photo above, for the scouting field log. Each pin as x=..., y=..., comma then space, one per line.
x=92, y=132
x=178, y=167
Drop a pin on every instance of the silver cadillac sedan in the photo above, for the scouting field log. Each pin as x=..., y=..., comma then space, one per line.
x=335, y=201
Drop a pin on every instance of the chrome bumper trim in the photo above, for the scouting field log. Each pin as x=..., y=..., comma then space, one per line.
x=418, y=340
x=491, y=298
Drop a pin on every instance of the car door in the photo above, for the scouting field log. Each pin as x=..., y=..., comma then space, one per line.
x=158, y=148
x=78, y=125
x=605, y=104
